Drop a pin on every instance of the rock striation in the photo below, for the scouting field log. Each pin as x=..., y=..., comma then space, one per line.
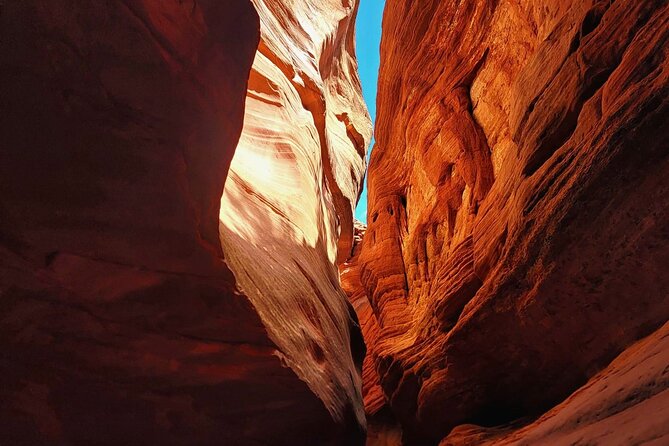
x=518, y=213
x=349, y=274
x=120, y=320
x=626, y=403
x=177, y=181
x=287, y=208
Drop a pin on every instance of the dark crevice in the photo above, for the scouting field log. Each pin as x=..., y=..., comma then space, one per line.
x=557, y=133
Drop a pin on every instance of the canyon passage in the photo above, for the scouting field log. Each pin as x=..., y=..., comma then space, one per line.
x=179, y=258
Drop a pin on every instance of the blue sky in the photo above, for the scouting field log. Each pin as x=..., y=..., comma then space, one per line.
x=367, y=40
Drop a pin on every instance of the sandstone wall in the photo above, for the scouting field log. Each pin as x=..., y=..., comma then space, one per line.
x=287, y=209
x=626, y=403
x=120, y=322
x=517, y=225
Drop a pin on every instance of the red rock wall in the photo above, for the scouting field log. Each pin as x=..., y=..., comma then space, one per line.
x=626, y=403
x=120, y=323
x=349, y=274
x=517, y=219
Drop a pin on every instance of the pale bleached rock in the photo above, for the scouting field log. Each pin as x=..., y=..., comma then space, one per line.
x=287, y=209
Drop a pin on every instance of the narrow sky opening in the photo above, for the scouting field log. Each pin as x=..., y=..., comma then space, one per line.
x=367, y=42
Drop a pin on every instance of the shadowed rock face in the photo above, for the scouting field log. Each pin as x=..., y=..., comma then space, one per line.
x=349, y=274
x=626, y=403
x=120, y=323
x=517, y=225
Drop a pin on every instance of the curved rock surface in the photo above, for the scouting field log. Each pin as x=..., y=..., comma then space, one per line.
x=287, y=209
x=626, y=403
x=120, y=323
x=517, y=219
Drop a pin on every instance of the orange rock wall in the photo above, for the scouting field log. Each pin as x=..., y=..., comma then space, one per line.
x=349, y=275
x=517, y=217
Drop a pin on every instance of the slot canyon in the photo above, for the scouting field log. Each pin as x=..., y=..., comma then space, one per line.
x=179, y=258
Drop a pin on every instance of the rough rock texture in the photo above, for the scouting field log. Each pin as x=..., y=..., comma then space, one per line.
x=120, y=323
x=517, y=220
x=382, y=428
x=287, y=209
x=349, y=274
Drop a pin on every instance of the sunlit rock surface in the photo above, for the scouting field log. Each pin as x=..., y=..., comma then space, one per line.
x=287, y=209
x=517, y=221
x=120, y=323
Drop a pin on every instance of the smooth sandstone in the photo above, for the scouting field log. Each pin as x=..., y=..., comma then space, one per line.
x=122, y=319
x=626, y=403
